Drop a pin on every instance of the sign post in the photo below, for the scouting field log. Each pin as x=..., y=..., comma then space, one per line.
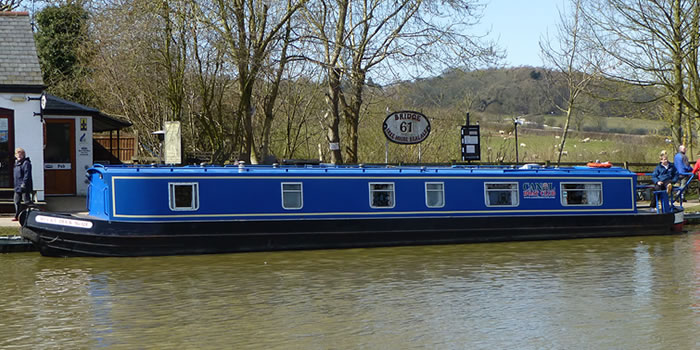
x=406, y=128
x=471, y=142
x=173, y=143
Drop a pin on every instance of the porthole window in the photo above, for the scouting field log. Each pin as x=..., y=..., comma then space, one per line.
x=582, y=194
x=183, y=196
x=381, y=195
x=292, y=196
x=501, y=194
x=434, y=194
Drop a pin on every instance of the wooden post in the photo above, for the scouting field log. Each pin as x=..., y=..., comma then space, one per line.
x=110, y=142
x=119, y=141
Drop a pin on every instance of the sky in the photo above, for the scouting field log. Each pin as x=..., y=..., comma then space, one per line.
x=517, y=26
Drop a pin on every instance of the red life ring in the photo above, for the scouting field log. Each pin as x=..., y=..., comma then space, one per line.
x=600, y=165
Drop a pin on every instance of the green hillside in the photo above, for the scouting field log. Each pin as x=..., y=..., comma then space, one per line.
x=532, y=92
x=613, y=124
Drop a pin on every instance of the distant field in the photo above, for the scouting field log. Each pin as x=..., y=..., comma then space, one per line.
x=612, y=139
x=543, y=145
x=615, y=124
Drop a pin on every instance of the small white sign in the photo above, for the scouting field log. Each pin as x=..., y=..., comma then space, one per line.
x=334, y=146
x=63, y=222
x=58, y=166
x=471, y=140
x=406, y=127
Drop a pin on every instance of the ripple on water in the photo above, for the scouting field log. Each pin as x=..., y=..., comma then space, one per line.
x=592, y=293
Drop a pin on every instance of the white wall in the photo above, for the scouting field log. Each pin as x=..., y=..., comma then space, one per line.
x=28, y=133
x=83, y=155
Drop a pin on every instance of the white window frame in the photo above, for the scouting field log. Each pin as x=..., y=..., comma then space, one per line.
x=195, y=196
x=300, y=191
x=564, y=195
x=515, y=191
x=442, y=190
x=371, y=194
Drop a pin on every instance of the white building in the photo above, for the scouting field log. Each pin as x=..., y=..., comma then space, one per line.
x=58, y=137
x=20, y=88
x=69, y=147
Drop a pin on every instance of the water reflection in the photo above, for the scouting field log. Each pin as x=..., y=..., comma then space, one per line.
x=593, y=293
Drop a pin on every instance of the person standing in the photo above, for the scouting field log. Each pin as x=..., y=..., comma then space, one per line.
x=680, y=161
x=23, y=181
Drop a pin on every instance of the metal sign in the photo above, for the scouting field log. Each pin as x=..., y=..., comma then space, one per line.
x=471, y=147
x=406, y=127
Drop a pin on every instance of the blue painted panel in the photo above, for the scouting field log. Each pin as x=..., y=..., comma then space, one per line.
x=226, y=193
x=98, y=195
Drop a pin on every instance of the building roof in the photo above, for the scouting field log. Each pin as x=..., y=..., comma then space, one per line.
x=100, y=121
x=19, y=63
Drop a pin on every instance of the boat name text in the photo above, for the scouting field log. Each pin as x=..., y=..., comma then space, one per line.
x=539, y=190
x=63, y=222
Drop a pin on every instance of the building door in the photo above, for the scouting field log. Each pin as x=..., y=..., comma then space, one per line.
x=59, y=157
x=7, y=148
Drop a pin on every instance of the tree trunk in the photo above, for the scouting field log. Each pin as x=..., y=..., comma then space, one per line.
x=352, y=114
x=333, y=100
x=569, y=112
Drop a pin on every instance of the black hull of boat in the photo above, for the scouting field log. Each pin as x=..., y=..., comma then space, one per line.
x=114, y=238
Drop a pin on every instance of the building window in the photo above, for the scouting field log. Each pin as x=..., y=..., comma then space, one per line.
x=502, y=194
x=292, y=197
x=381, y=195
x=434, y=194
x=584, y=194
x=184, y=196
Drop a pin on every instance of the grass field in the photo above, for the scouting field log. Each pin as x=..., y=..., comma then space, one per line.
x=541, y=145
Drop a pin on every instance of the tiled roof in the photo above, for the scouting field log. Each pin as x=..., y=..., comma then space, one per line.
x=19, y=64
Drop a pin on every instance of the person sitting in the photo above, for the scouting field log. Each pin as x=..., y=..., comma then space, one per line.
x=664, y=176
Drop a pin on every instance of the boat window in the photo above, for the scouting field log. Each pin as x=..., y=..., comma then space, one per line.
x=501, y=194
x=434, y=194
x=292, y=197
x=381, y=195
x=184, y=196
x=590, y=194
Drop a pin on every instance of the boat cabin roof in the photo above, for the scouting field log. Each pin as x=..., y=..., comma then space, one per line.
x=456, y=170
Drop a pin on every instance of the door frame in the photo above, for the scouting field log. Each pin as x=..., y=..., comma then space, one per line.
x=73, y=170
x=10, y=114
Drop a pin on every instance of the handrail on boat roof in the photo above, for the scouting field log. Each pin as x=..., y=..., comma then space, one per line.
x=390, y=168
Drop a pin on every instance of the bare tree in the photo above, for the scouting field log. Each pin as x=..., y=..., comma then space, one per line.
x=361, y=37
x=692, y=68
x=571, y=62
x=206, y=101
x=272, y=88
x=646, y=43
x=327, y=21
x=249, y=28
x=9, y=5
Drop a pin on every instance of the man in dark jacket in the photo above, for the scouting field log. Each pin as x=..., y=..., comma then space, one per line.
x=664, y=176
x=23, y=181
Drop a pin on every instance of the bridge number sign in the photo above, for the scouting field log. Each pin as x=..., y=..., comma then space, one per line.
x=406, y=127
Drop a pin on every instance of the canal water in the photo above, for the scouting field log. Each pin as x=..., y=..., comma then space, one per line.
x=620, y=293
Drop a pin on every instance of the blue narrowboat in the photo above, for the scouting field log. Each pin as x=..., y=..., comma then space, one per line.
x=161, y=210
